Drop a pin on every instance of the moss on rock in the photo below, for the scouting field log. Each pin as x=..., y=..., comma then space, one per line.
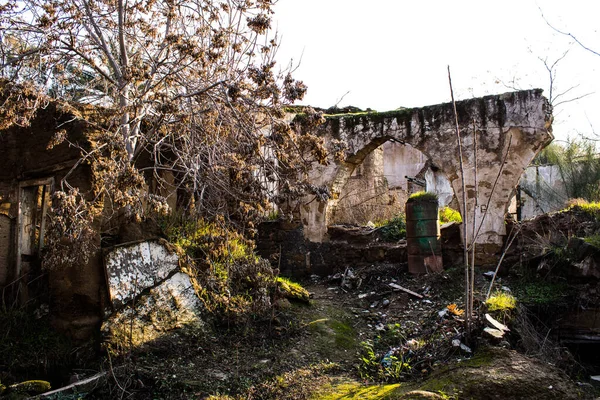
x=292, y=290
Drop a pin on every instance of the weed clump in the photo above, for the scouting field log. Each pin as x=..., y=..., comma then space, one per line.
x=594, y=240
x=501, y=301
x=389, y=368
x=591, y=209
x=447, y=214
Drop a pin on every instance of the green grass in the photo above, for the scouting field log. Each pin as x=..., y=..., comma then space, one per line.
x=422, y=196
x=542, y=293
x=355, y=390
x=594, y=240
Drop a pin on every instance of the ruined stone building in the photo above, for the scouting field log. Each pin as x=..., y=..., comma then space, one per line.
x=368, y=183
x=508, y=131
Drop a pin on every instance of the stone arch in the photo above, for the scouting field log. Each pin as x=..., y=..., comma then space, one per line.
x=377, y=187
x=517, y=124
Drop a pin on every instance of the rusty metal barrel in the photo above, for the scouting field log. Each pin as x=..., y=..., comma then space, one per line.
x=423, y=238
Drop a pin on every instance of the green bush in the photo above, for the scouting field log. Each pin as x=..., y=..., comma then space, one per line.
x=394, y=229
x=228, y=276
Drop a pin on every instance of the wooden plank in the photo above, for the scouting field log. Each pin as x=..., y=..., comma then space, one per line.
x=398, y=287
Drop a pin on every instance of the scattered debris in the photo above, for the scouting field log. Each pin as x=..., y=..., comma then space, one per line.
x=497, y=333
x=489, y=274
x=496, y=324
x=398, y=287
x=454, y=310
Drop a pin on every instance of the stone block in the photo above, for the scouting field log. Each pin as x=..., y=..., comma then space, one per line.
x=133, y=268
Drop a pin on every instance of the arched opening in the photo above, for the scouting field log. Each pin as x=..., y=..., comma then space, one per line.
x=377, y=188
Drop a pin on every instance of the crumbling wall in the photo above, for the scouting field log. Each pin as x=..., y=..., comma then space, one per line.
x=510, y=128
x=35, y=157
x=283, y=243
x=5, y=246
x=366, y=196
x=542, y=191
x=33, y=164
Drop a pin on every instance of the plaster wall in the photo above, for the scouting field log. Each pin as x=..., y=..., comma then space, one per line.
x=437, y=183
x=542, y=191
x=366, y=196
x=401, y=160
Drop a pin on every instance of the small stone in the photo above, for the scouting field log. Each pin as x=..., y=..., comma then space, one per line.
x=385, y=302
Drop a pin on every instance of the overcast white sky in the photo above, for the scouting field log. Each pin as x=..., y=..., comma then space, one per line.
x=393, y=53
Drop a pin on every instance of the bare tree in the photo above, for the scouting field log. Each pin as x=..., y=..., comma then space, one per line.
x=190, y=85
x=568, y=34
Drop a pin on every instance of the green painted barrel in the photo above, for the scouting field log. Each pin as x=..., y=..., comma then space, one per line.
x=424, y=245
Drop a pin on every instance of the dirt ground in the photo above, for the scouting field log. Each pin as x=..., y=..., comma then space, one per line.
x=336, y=347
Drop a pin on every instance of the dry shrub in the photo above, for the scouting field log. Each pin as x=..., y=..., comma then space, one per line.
x=576, y=203
x=233, y=282
x=535, y=340
x=71, y=239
